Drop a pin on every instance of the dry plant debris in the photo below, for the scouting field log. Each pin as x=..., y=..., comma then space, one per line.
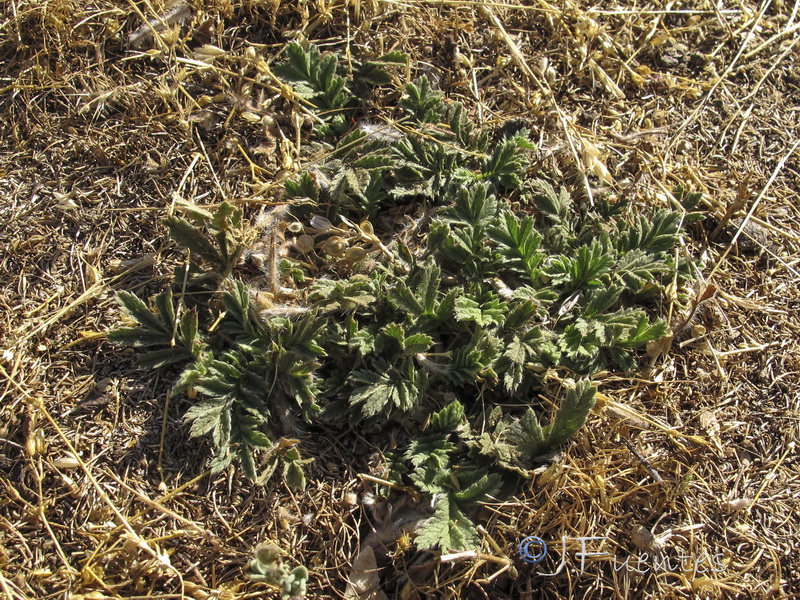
x=105, y=127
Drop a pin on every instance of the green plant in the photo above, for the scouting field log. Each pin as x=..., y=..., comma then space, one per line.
x=267, y=567
x=452, y=323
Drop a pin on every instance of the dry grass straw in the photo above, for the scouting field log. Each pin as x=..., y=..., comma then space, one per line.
x=101, y=132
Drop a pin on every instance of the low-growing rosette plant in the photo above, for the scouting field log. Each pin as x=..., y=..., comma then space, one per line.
x=416, y=275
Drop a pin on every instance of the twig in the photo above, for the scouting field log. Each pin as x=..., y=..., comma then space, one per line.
x=643, y=460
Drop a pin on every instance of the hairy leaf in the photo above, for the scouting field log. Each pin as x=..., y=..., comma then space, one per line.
x=506, y=165
x=449, y=528
x=572, y=413
x=650, y=234
x=448, y=419
x=424, y=104
x=553, y=205
x=139, y=311
x=193, y=238
x=487, y=314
